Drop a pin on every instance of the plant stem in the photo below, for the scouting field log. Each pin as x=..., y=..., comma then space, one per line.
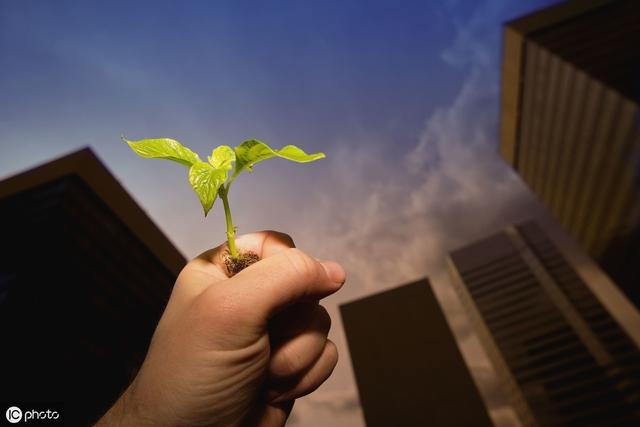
x=231, y=231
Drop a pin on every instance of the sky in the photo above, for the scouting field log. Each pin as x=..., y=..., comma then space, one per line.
x=402, y=96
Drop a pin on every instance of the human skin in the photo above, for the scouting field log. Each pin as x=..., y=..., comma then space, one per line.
x=236, y=351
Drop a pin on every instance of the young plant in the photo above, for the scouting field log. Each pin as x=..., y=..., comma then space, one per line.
x=212, y=179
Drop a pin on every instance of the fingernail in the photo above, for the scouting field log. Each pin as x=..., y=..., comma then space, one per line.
x=335, y=272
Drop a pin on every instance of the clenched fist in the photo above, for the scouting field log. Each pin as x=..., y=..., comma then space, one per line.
x=236, y=351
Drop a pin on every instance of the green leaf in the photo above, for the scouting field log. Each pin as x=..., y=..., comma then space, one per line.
x=222, y=157
x=253, y=151
x=206, y=180
x=295, y=154
x=164, y=148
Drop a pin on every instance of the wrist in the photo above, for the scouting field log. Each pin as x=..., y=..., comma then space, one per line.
x=125, y=412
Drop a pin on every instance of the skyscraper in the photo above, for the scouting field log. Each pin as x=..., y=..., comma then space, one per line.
x=407, y=365
x=564, y=356
x=570, y=124
x=84, y=277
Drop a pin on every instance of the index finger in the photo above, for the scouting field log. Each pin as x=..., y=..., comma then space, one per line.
x=265, y=243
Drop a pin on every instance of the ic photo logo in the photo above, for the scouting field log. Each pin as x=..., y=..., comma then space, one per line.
x=15, y=415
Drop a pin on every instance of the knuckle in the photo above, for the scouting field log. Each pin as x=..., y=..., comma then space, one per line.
x=285, y=363
x=332, y=353
x=292, y=362
x=280, y=236
x=190, y=266
x=305, y=266
x=191, y=273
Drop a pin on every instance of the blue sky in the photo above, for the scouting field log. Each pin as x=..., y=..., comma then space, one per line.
x=220, y=72
x=402, y=96
x=330, y=76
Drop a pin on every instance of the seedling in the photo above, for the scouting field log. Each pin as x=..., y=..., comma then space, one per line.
x=211, y=180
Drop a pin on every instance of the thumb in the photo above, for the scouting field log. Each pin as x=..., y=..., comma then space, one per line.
x=283, y=279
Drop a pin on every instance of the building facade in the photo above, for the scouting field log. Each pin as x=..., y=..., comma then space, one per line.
x=84, y=278
x=407, y=365
x=570, y=124
x=564, y=359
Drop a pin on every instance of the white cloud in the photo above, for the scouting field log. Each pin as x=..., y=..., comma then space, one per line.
x=397, y=222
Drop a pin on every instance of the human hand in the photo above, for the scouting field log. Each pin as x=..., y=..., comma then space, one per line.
x=236, y=351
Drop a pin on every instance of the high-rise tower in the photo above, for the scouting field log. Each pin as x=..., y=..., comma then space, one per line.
x=564, y=358
x=570, y=124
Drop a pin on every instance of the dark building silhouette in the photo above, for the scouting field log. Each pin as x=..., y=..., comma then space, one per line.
x=561, y=354
x=570, y=124
x=84, y=277
x=406, y=362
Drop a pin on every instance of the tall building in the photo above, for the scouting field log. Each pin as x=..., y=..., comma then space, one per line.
x=407, y=365
x=563, y=356
x=84, y=277
x=570, y=123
